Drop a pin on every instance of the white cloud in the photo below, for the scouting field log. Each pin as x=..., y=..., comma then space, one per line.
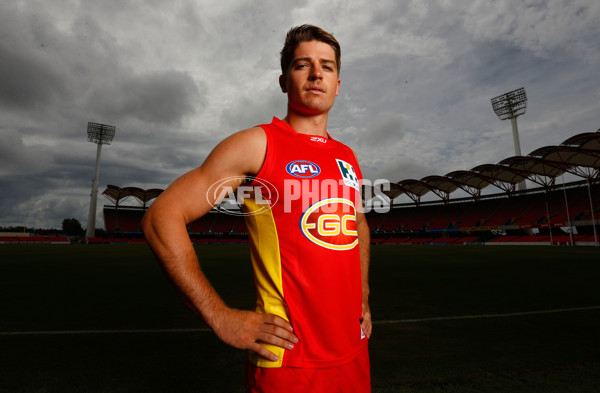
x=543, y=27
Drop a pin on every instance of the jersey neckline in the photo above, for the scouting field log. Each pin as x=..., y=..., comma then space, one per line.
x=289, y=128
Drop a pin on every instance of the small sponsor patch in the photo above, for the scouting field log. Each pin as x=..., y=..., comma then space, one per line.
x=318, y=139
x=348, y=173
x=303, y=169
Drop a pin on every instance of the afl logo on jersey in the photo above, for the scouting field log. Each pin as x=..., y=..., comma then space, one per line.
x=331, y=223
x=303, y=169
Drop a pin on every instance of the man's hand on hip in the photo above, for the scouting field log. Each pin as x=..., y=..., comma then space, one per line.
x=247, y=329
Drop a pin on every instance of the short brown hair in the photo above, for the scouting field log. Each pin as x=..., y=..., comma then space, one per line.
x=306, y=33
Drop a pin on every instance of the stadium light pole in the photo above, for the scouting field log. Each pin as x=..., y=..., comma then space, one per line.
x=593, y=215
x=510, y=106
x=100, y=134
x=568, y=214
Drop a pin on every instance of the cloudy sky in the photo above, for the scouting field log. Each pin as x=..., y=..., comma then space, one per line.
x=176, y=77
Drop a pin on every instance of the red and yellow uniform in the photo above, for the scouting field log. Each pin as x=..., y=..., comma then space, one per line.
x=304, y=247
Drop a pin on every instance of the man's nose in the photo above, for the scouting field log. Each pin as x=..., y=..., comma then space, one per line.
x=316, y=73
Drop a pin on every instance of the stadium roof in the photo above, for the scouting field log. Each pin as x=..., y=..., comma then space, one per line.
x=469, y=181
x=579, y=155
x=117, y=194
x=580, y=162
x=587, y=140
x=537, y=170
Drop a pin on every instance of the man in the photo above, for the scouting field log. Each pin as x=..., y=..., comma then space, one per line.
x=309, y=245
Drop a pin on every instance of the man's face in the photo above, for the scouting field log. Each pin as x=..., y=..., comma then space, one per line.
x=312, y=81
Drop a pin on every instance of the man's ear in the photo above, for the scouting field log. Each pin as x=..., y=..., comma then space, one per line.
x=282, y=83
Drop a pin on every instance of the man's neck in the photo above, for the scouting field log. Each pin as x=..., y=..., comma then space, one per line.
x=309, y=125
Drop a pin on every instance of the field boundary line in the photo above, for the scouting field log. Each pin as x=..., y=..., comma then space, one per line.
x=481, y=316
x=376, y=322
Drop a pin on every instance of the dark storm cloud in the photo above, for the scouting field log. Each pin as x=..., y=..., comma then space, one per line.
x=41, y=200
x=246, y=111
x=164, y=97
x=27, y=81
x=16, y=157
x=381, y=132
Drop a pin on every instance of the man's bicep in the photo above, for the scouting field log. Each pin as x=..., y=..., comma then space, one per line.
x=198, y=191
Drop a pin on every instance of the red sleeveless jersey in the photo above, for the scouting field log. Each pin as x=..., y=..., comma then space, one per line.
x=304, y=246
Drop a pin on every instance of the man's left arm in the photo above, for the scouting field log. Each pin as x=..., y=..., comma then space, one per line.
x=364, y=243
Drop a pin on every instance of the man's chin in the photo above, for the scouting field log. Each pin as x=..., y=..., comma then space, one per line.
x=316, y=107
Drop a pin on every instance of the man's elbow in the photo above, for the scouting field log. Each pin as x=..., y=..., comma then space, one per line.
x=159, y=221
x=147, y=224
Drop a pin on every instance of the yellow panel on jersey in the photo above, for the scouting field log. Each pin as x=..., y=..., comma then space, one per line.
x=266, y=263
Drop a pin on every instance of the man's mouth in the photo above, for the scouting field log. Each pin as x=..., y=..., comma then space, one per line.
x=316, y=89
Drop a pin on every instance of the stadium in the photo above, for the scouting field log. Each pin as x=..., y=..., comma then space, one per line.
x=483, y=263
x=478, y=284
x=551, y=213
x=505, y=304
x=480, y=313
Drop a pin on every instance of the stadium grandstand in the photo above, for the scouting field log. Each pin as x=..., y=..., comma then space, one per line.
x=549, y=213
x=32, y=238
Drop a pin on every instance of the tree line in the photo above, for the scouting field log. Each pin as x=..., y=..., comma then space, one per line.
x=70, y=226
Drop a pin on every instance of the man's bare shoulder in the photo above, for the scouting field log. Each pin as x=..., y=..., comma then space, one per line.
x=253, y=133
x=243, y=151
x=251, y=137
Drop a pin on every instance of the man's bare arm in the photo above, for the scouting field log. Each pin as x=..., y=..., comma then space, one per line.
x=364, y=244
x=186, y=200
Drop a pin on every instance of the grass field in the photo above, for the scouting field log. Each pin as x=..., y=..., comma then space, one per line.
x=103, y=318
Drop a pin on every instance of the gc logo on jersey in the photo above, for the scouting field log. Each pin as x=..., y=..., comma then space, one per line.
x=348, y=173
x=331, y=223
x=303, y=169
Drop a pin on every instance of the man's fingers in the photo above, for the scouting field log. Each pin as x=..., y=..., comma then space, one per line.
x=366, y=324
x=251, y=330
x=277, y=321
x=274, y=340
x=274, y=331
x=367, y=327
x=281, y=333
x=264, y=352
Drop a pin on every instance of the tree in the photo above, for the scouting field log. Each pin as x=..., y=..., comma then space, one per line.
x=72, y=226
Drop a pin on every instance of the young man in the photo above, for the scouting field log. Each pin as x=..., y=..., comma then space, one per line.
x=309, y=240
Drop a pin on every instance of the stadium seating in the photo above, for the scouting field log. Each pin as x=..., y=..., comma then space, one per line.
x=123, y=220
x=34, y=240
x=9, y=240
x=436, y=222
x=202, y=225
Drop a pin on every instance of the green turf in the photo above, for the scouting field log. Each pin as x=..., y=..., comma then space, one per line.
x=45, y=287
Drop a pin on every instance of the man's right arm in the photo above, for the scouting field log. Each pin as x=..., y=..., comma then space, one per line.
x=186, y=200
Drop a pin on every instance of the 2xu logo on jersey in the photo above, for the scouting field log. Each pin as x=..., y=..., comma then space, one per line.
x=331, y=223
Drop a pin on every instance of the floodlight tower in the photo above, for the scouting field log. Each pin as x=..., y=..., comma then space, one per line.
x=100, y=134
x=510, y=106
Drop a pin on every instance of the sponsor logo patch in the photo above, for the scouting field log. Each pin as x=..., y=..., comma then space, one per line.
x=318, y=139
x=303, y=169
x=348, y=173
x=331, y=223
